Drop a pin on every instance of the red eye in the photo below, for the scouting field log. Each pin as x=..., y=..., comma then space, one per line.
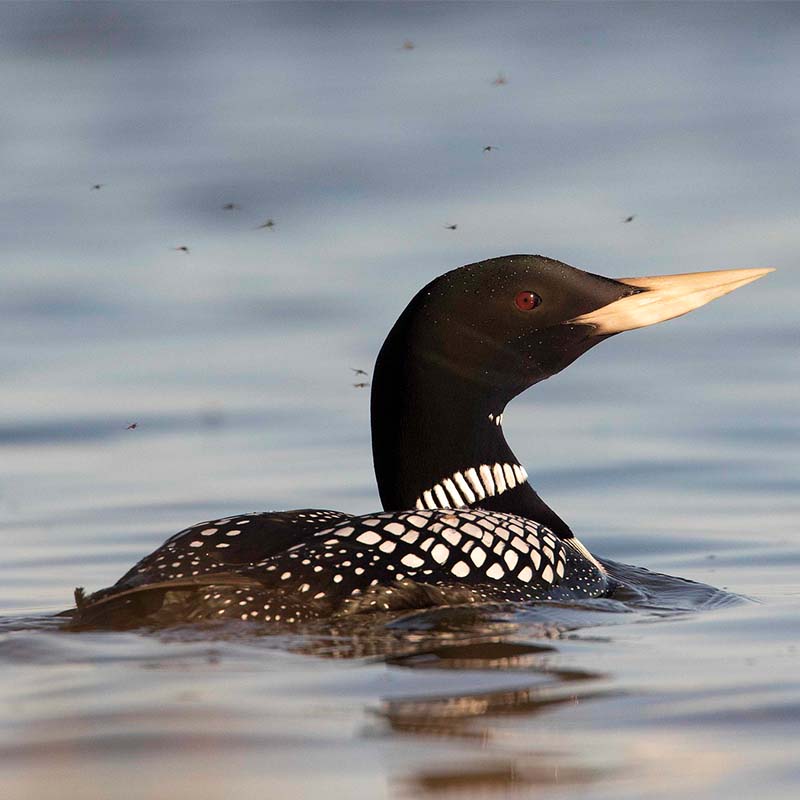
x=527, y=301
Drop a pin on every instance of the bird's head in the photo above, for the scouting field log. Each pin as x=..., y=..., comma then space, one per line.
x=507, y=323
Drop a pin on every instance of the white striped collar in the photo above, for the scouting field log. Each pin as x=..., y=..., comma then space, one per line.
x=476, y=483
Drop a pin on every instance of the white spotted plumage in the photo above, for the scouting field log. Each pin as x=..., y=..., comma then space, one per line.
x=343, y=564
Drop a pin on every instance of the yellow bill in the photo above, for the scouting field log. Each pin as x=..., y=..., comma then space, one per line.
x=666, y=297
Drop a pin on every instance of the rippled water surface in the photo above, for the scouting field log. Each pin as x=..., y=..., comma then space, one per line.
x=672, y=448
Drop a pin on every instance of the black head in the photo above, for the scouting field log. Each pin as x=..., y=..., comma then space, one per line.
x=476, y=337
x=506, y=323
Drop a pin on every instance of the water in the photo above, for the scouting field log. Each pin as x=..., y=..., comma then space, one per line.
x=673, y=448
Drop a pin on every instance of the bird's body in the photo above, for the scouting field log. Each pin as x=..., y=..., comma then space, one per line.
x=462, y=523
x=308, y=564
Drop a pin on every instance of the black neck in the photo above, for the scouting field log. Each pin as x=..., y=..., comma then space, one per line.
x=429, y=423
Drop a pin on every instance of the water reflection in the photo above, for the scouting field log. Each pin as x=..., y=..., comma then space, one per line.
x=531, y=772
x=473, y=716
x=492, y=654
x=463, y=714
x=487, y=701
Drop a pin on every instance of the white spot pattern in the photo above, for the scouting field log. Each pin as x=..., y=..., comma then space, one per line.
x=353, y=565
x=465, y=488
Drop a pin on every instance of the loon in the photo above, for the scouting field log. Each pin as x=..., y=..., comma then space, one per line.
x=461, y=523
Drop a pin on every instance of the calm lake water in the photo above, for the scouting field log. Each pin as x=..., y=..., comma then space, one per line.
x=673, y=448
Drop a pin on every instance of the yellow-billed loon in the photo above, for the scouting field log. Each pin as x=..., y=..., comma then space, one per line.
x=461, y=522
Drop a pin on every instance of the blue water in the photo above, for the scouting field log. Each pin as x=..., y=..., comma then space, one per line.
x=674, y=448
